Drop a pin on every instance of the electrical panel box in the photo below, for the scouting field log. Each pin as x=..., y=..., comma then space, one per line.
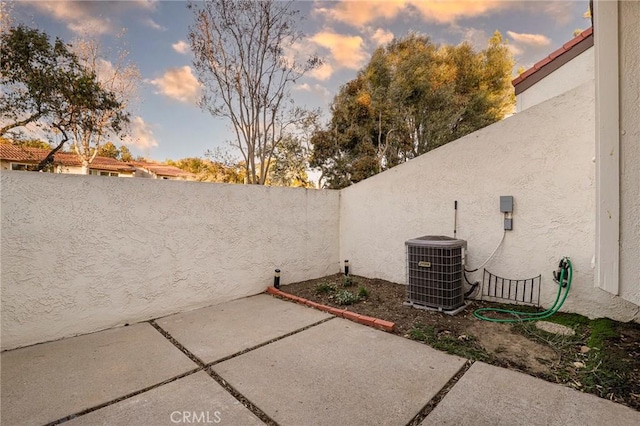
x=506, y=203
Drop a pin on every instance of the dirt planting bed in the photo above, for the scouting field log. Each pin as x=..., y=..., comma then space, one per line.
x=602, y=357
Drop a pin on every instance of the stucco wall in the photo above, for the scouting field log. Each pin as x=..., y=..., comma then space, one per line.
x=84, y=253
x=574, y=73
x=629, y=38
x=542, y=156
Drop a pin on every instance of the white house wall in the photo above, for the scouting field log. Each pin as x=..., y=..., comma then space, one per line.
x=574, y=73
x=543, y=157
x=84, y=253
x=629, y=38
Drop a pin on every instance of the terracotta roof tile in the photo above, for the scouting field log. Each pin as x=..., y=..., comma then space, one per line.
x=35, y=155
x=550, y=63
x=162, y=169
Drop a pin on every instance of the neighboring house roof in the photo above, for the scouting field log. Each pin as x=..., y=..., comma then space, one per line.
x=555, y=60
x=161, y=169
x=24, y=154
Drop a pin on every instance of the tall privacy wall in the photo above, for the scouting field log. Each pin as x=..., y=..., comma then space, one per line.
x=84, y=253
x=543, y=157
x=629, y=150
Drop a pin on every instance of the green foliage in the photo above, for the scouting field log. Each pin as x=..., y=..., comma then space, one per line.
x=210, y=171
x=125, y=154
x=465, y=346
x=289, y=164
x=31, y=143
x=325, y=288
x=363, y=293
x=412, y=97
x=109, y=150
x=348, y=281
x=44, y=83
x=345, y=297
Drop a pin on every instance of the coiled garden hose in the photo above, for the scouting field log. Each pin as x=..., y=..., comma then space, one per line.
x=562, y=276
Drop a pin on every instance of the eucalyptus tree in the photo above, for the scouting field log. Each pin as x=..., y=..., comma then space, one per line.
x=413, y=96
x=246, y=60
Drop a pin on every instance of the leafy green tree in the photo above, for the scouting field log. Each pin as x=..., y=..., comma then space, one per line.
x=109, y=150
x=412, y=97
x=289, y=165
x=45, y=84
x=125, y=154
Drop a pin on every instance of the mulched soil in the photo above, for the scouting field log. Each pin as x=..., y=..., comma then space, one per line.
x=520, y=347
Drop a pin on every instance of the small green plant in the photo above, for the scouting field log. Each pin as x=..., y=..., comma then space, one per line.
x=345, y=297
x=325, y=288
x=348, y=281
x=363, y=293
x=464, y=345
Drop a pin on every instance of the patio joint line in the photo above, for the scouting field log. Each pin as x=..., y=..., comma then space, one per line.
x=433, y=402
x=177, y=344
x=215, y=376
x=246, y=402
x=122, y=398
x=275, y=339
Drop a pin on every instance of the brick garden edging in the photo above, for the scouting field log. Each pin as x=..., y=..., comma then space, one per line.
x=342, y=313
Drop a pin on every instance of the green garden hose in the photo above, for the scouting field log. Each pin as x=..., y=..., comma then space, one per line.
x=563, y=277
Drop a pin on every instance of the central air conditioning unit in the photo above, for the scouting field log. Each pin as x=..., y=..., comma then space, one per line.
x=435, y=267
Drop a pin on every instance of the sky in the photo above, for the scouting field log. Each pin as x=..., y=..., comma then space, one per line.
x=166, y=121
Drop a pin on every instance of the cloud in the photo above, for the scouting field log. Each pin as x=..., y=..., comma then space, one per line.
x=534, y=40
x=360, y=13
x=179, y=84
x=381, y=36
x=478, y=38
x=181, y=47
x=346, y=51
x=515, y=50
x=149, y=22
x=323, y=72
x=141, y=135
x=316, y=88
x=562, y=12
x=89, y=17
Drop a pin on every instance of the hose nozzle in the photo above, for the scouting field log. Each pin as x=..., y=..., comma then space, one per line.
x=561, y=275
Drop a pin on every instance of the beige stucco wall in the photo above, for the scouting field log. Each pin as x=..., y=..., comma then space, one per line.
x=574, y=73
x=84, y=253
x=542, y=156
x=629, y=39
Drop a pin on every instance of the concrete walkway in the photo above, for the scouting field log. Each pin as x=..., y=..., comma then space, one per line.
x=291, y=365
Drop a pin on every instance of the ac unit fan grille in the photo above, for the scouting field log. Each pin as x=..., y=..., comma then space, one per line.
x=434, y=274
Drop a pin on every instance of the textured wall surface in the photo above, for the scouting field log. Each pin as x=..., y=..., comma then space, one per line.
x=542, y=156
x=629, y=28
x=574, y=73
x=84, y=253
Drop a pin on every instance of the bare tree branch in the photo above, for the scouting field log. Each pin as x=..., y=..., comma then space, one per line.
x=243, y=55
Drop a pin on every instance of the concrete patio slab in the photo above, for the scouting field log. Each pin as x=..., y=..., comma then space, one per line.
x=47, y=382
x=193, y=399
x=488, y=395
x=219, y=331
x=340, y=373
